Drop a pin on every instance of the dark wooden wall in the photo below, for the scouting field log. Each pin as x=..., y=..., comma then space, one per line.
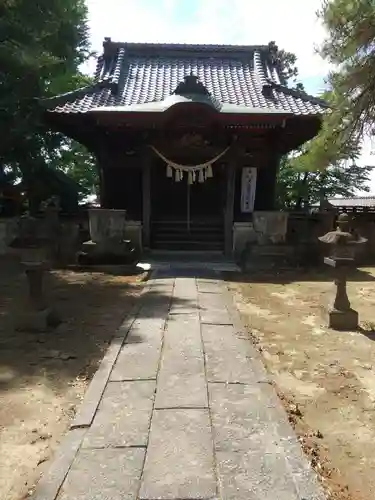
x=122, y=185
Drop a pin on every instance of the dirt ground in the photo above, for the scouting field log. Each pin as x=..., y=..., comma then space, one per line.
x=43, y=377
x=325, y=378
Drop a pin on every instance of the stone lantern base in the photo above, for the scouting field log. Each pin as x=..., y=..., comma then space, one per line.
x=37, y=321
x=37, y=315
x=343, y=320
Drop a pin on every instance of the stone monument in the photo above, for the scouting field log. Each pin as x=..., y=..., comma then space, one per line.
x=343, y=245
x=108, y=244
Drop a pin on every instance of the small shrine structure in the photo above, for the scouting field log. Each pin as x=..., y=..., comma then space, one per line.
x=188, y=139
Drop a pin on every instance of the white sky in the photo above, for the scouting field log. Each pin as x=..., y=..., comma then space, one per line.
x=293, y=24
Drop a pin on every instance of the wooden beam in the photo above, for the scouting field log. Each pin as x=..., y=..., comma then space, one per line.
x=146, y=199
x=100, y=162
x=229, y=207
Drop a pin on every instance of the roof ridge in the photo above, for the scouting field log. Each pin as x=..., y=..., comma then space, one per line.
x=368, y=197
x=184, y=46
x=74, y=94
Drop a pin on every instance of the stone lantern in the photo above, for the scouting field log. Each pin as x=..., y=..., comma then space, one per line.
x=33, y=253
x=344, y=245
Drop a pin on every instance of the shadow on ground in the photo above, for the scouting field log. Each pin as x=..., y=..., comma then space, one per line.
x=368, y=331
x=92, y=306
x=287, y=276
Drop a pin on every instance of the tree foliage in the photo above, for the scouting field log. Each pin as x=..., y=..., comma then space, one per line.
x=77, y=162
x=350, y=48
x=43, y=43
x=286, y=66
x=297, y=188
x=325, y=166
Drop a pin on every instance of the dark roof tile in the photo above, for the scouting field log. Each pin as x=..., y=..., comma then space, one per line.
x=129, y=74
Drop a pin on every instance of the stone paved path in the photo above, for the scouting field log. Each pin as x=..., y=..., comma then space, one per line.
x=187, y=411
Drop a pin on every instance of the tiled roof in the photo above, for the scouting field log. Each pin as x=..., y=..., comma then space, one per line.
x=128, y=74
x=354, y=201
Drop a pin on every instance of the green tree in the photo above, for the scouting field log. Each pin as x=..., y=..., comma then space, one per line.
x=350, y=48
x=301, y=177
x=43, y=43
x=296, y=187
x=80, y=165
x=286, y=65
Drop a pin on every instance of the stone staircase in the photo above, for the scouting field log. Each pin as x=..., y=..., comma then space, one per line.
x=202, y=235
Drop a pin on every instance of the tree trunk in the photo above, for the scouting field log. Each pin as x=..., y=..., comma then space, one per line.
x=302, y=191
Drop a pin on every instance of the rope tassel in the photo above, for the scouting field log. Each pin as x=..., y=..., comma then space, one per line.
x=169, y=171
x=209, y=173
x=201, y=176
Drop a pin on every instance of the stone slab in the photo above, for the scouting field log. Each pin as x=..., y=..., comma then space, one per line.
x=126, y=325
x=213, y=301
x=181, y=379
x=254, y=476
x=137, y=361
x=226, y=356
x=185, y=297
x=185, y=287
x=88, y=407
x=304, y=476
x=213, y=309
x=159, y=311
x=146, y=330
x=184, y=308
x=241, y=418
x=216, y=318
x=156, y=303
x=51, y=481
x=209, y=286
x=123, y=417
x=179, y=461
x=104, y=474
x=308, y=486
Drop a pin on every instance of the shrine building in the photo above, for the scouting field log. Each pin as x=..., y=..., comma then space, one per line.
x=187, y=138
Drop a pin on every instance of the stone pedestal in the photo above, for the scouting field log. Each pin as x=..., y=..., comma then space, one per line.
x=243, y=235
x=341, y=316
x=343, y=320
x=112, y=251
x=37, y=321
x=106, y=224
x=133, y=233
x=270, y=227
x=37, y=317
x=108, y=244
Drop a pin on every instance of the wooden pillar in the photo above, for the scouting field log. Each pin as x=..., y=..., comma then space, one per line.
x=265, y=197
x=229, y=207
x=102, y=186
x=272, y=182
x=103, y=161
x=146, y=200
